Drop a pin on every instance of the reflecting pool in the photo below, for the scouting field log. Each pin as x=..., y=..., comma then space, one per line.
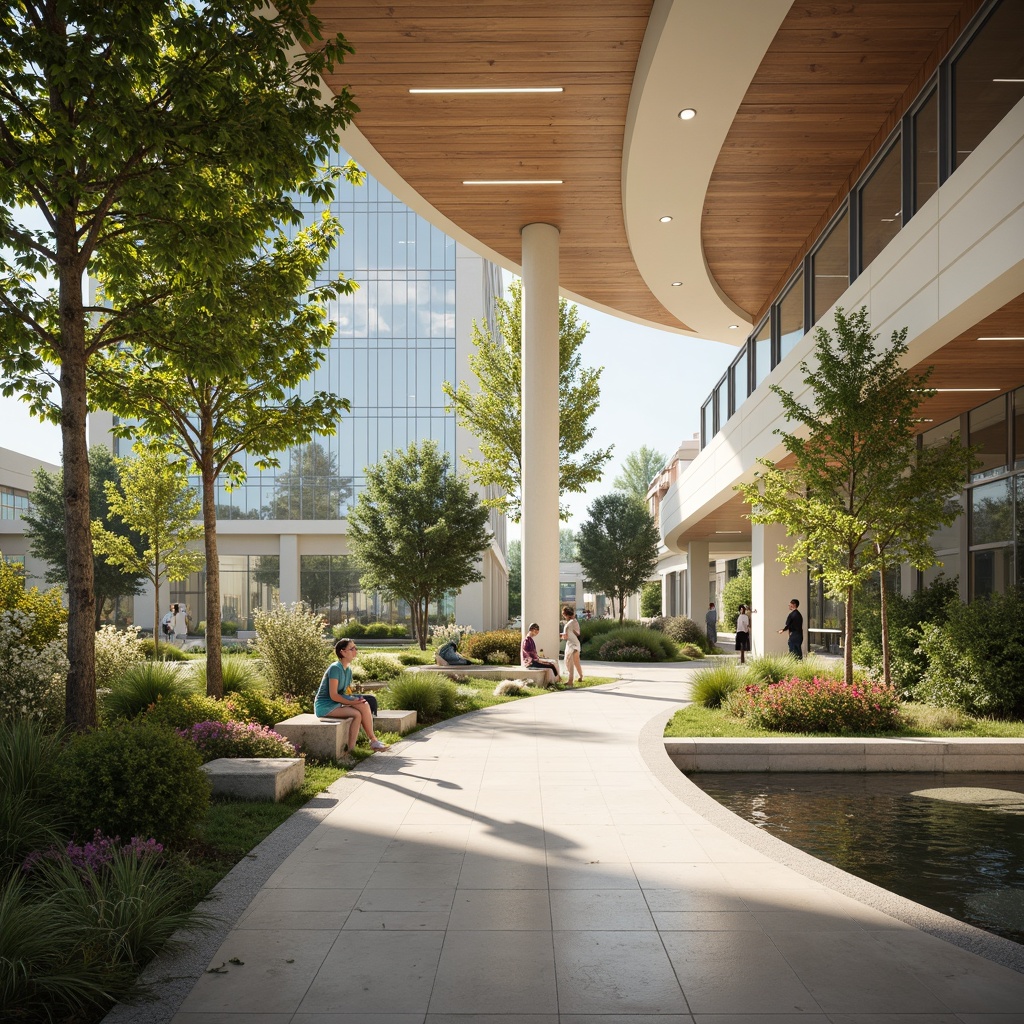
x=952, y=842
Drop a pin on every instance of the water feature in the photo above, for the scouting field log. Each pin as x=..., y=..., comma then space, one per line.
x=952, y=842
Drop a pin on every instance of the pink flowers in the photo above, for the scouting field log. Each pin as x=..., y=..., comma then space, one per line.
x=818, y=705
x=236, y=739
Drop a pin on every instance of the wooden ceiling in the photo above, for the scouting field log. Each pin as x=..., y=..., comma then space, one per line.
x=832, y=86
x=435, y=142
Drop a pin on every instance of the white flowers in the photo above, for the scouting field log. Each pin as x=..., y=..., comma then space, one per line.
x=444, y=634
x=31, y=679
x=116, y=651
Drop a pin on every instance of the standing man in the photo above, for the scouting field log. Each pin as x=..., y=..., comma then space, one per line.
x=711, y=620
x=795, y=628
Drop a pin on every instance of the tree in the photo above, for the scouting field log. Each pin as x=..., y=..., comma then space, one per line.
x=138, y=126
x=858, y=478
x=639, y=468
x=269, y=327
x=48, y=540
x=310, y=488
x=618, y=546
x=566, y=545
x=417, y=530
x=155, y=501
x=736, y=591
x=494, y=414
x=515, y=578
x=650, y=599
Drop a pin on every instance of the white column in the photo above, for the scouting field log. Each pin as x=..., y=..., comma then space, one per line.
x=540, y=432
x=771, y=592
x=698, y=554
x=289, y=577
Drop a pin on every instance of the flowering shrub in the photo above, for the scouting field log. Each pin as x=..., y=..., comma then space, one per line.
x=448, y=634
x=381, y=667
x=116, y=651
x=479, y=645
x=31, y=676
x=236, y=739
x=253, y=706
x=497, y=658
x=97, y=853
x=291, y=644
x=817, y=705
x=179, y=711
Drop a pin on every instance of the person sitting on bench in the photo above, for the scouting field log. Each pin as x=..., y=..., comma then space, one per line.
x=529, y=658
x=336, y=697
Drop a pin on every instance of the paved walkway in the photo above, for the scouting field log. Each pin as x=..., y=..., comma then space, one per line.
x=525, y=865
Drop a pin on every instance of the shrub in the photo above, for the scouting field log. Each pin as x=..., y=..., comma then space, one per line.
x=449, y=634
x=229, y=628
x=479, y=645
x=168, y=652
x=766, y=669
x=290, y=641
x=657, y=645
x=975, y=657
x=497, y=658
x=378, y=630
x=254, y=706
x=691, y=650
x=736, y=592
x=142, y=685
x=510, y=688
x=710, y=686
x=235, y=739
x=410, y=658
x=817, y=705
x=351, y=628
x=399, y=631
x=45, y=607
x=429, y=694
x=589, y=628
x=116, y=651
x=684, y=630
x=200, y=629
x=380, y=666
x=182, y=710
x=907, y=615
x=650, y=599
x=135, y=780
x=239, y=673
x=32, y=671
x=618, y=650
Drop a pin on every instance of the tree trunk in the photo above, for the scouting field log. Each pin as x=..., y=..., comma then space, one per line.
x=422, y=610
x=884, y=614
x=848, y=633
x=622, y=607
x=80, y=688
x=214, y=644
x=156, y=603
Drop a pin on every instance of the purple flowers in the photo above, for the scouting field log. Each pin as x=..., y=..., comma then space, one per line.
x=97, y=853
x=236, y=739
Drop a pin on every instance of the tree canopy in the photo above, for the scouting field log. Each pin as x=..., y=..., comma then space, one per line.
x=638, y=470
x=618, y=546
x=44, y=523
x=861, y=490
x=139, y=127
x=155, y=500
x=494, y=414
x=417, y=530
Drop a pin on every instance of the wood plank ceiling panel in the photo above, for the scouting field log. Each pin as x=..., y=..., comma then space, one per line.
x=436, y=142
x=828, y=91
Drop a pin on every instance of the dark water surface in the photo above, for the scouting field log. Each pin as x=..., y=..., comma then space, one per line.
x=953, y=842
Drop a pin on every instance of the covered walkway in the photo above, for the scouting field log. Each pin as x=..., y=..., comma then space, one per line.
x=541, y=862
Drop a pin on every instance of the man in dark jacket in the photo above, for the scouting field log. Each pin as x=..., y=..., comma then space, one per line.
x=795, y=628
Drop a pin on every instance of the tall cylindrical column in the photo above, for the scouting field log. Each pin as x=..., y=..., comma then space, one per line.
x=771, y=591
x=540, y=433
x=698, y=554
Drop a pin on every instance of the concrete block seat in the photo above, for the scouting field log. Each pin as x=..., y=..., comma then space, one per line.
x=269, y=779
x=322, y=737
x=533, y=676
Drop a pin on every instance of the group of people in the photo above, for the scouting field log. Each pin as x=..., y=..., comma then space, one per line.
x=794, y=627
x=174, y=625
x=529, y=657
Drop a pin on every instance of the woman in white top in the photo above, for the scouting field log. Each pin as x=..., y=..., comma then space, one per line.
x=571, y=636
x=743, y=633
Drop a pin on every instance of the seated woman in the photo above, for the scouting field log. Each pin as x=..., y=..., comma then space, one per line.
x=528, y=657
x=336, y=698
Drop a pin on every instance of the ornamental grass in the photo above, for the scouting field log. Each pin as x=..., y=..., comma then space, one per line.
x=818, y=705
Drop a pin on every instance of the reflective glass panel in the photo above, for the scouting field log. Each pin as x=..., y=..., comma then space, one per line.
x=992, y=513
x=881, y=205
x=831, y=265
x=988, y=78
x=991, y=571
x=762, y=348
x=1018, y=428
x=1020, y=529
x=707, y=422
x=791, y=316
x=988, y=429
x=722, y=403
x=926, y=151
x=739, y=379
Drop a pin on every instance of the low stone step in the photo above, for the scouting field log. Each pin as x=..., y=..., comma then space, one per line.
x=268, y=779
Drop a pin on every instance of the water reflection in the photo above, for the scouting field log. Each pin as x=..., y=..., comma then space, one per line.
x=923, y=836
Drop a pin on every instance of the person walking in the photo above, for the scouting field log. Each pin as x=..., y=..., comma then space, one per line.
x=711, y=621
x=795, y=628
x=743, y=633
x=571, y=636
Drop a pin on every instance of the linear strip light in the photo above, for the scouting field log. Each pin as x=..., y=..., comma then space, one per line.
x=1008, y=79
x=469, y=91
x=963, y=389
x=1004, y=338
x=518, y=181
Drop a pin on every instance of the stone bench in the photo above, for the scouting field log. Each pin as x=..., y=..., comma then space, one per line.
x=269, y=779
x=534, y=676
x=322, y=737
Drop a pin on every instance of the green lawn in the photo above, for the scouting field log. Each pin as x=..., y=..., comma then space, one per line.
x=924, y=720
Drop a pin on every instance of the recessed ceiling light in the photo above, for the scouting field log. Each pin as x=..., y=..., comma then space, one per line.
x=544, y=88
x=734, y=327
x=727, y=531
x=665, y=220
x=1012, y=337
x=514, y=181
x=687, y=114
x=677, y=284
